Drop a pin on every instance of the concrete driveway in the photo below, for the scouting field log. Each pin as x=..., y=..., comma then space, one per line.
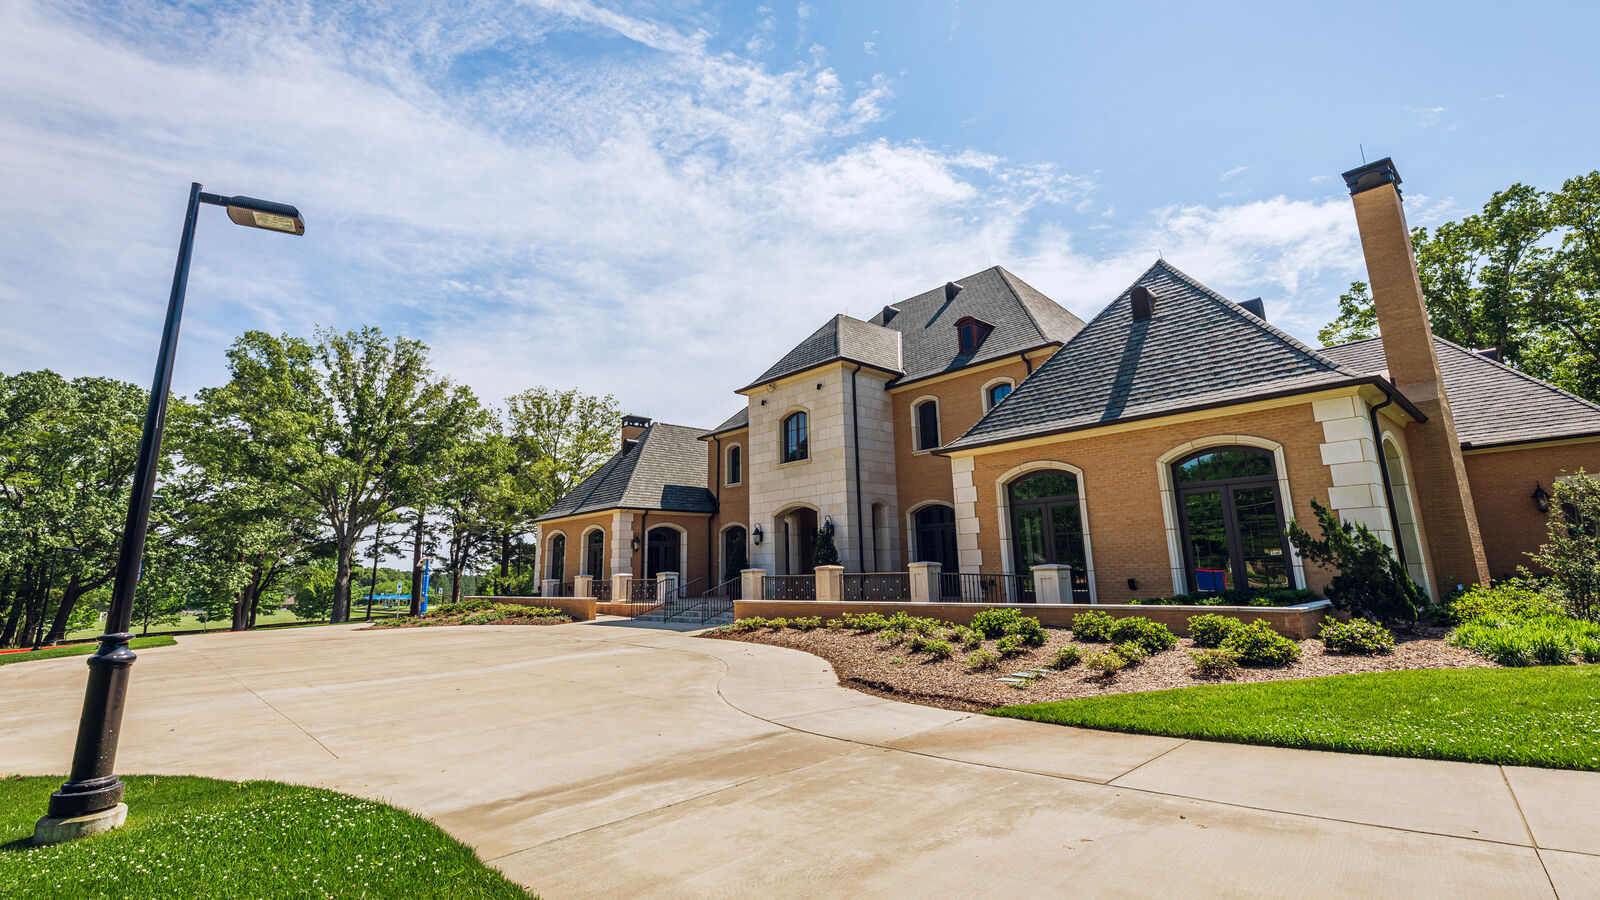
x=606, y=759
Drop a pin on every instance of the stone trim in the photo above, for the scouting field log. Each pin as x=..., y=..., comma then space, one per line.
x=968, y=553
x=983, y=392
x=1003, y=506
x=583, y=550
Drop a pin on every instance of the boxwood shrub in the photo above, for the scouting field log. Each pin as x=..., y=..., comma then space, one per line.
x=1152, y=637
x=1361, y=636
x=1258, y=645
x=1092, y=626
x=1210, y=629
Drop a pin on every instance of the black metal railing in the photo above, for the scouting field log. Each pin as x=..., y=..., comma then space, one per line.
x=985, y=587
x=643, y=590
x=601, y=588
x=892, y=587
x=682, y=600
x=719, y=600
x=790, y=587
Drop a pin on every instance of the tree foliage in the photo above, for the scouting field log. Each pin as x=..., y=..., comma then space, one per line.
x=1572, y=552
x=1522, y=275
x=1370, y=581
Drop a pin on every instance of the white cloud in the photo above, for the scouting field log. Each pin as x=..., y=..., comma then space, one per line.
x=659, y=224
x=1232, y=172
x=1426, y=116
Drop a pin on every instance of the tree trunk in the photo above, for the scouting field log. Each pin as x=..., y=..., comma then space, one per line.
x=505, y=555
x=377, y=554
x=341, y=580
x=69, y=600
x=35, y=615
x=460, y=565
x=19, y=602
x=416, y=565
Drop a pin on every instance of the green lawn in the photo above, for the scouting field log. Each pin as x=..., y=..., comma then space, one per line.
x=191, y=623
x=199, y=837
x=1546, y=716
x=7, y=659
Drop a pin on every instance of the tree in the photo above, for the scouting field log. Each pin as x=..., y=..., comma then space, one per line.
x=1572, y=553
x=556, y=439
x=1370, y=580
x=346, y=420
x=474, y=498
x=1522, y=276
x=824, y=553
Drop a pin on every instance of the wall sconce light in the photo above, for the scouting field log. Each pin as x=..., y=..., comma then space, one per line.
x=1133, y=584
x=636, y=543
x=756, y=535
x=1541, y=498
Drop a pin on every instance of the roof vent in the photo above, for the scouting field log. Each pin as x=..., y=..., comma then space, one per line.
x=1254, y=307
x=951, y=289
x=1144, y=302
x=889, y=313
x=1489, y=353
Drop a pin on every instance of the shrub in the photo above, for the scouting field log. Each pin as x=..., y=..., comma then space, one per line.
x=1258, y=645
x=1092, y=626
x=835, y=624
x=865, y=622
x=1370, y=580
x=1572, y=551
x=1104, y=664
x=1132, y=651
x=983, y=659
x=939, y=649
x=807, y=623
x=750, y=624
x=966, y=637
x=892, y=637
x=1216, y=662
x=1210, y=629
x=1551, y=647
x=1153, y=637
x=1235, y=597
x=900, y=621
x=1588, y=649
x=1011, y=645
x=1361, y=636
x=1514, y=598
x=1066, y=657
x=778, y=624
x=1546, y=641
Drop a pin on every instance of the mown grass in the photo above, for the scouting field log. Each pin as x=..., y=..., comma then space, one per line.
x=200, y=837
x=1547, y=716
x=7, y=659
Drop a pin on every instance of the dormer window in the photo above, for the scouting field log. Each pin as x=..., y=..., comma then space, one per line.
x=970, y=333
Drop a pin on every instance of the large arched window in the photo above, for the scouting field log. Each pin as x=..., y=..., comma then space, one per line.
x=663, y=551
x=558, y=558
x=926, y=415
x=1047, y=526
x=796, y=438
x=933, y=536
x=594, y=552
x=1231, y=520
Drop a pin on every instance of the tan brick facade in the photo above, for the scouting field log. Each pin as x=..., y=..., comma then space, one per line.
x=733, y=499
x=1503, y=482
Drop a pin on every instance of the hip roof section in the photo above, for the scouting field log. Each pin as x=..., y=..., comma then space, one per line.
x=665, y=470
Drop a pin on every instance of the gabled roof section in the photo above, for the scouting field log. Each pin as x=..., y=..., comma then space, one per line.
x=738, y=420
x=1023, y=319
x=843, y=339
x=665, y=470
x=1492, y=402
x=1197, y=350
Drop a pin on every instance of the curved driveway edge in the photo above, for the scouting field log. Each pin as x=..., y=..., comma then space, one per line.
x=605, y=759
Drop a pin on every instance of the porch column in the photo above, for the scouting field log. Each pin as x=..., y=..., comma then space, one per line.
x=666, y=586
x=753, y=584
x=830, y=583
x=1052, y=584
x=621, y=583
x=550, y=587
x=925, y=581
x=583, y=586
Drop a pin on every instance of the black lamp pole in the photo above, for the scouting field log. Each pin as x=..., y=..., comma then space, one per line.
x=92, y=787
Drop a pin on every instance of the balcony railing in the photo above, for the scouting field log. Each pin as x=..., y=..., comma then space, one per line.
x=985, y=587
x=876, y=586
x=790, y=587
x=601, y=588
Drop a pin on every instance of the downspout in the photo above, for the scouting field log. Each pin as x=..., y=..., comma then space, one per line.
x=711, y=523
x=1383, y=471
x=855, y=435
x=1027, y=362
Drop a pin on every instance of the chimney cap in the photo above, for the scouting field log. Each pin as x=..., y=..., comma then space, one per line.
x=1255, y=307
x=1143, y=301
x=632, y=421
x=1371, y=175
x=951, y=289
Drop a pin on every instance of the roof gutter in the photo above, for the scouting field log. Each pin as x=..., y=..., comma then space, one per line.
x=859, y=364
x=1023, y=354
x=1497, y=445
x=1377, y=381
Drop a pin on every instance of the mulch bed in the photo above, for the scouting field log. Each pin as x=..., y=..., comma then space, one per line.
x=865, y=663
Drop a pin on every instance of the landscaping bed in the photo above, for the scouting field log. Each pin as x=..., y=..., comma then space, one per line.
x=201, y=837
x=478, y=612
x=20, y=656
x=864, y=660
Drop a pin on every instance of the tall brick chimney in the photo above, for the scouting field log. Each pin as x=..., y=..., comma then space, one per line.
x=632, y=427
x=1455, y=545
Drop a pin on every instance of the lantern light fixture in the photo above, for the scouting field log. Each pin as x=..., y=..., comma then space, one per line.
x=635, y=543
x=1541, y=497
x=756, y=535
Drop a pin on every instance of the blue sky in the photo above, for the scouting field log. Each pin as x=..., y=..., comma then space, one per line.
x=656, y=199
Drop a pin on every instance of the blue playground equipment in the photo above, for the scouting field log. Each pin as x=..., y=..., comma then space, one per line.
x=427, y=570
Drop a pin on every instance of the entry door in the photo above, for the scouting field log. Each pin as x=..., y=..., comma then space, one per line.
x=1233, y=537
x=663, y=555
x=936, y=536
x=1052, y=533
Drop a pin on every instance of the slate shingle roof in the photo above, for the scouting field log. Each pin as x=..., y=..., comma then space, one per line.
x=1492, y=402
x=665, y=470
x=1022, y=318
x=738, y=420
x=1198, y=350
x=843, y=338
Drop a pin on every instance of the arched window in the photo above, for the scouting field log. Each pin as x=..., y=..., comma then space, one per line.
x=933, y=536
x=734, y=558
x=994, y=393
x=735, y=464
x=663, y=551
x=1232, y=522
x=594, y=553
x=927, y=418
x=558, y=558
x=796, y=440
x=1047, y=526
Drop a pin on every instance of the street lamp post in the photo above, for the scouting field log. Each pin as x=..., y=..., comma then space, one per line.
x=90, y=801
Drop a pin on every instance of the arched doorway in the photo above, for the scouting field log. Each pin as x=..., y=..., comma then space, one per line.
x=665, y=546
x=1231, y=520
x=795, y=544
x=735, y=557
x=594, y=553
x=558, y=558
x=933, y=536
x=1409, y=541
x=1047, y=526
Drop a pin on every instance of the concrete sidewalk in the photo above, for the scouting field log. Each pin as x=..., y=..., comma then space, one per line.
x=605, y=759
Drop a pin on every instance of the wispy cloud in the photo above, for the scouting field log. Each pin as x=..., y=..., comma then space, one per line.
x=1426, y=116
x=1232, y=172
x=658, y=222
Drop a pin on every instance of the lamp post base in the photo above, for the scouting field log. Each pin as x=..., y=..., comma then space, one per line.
x=53, y=830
